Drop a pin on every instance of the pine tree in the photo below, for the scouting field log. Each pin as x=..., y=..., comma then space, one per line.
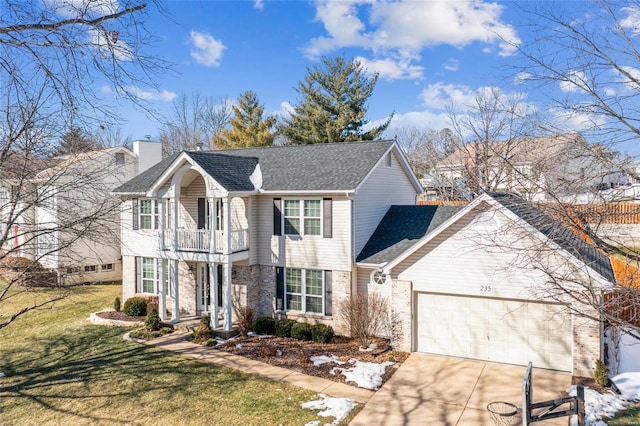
x=75, y=141
x=248, y=128
x=333, y=105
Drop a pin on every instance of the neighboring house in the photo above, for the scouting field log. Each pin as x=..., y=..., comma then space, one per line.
x=63, y=213
x=534, y=168
x=275, y=228
x=293, y=231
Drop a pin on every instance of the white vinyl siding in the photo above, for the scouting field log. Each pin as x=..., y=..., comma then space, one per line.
x=385, y=186
x=314, y=252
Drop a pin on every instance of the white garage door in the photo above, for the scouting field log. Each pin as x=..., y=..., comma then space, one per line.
x=509, y=331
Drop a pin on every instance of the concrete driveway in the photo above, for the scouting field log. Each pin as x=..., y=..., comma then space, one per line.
x=439, y=390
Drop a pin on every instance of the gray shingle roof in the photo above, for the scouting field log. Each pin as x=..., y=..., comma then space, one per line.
x=145, y=180
x=561, y=235
x=230, y=171
x=400, y=228
x=315, y=167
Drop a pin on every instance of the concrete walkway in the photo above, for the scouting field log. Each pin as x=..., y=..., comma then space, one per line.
x=176, y=342
x=438, y=390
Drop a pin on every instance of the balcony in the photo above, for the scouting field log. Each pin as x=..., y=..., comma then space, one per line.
x=199, y=240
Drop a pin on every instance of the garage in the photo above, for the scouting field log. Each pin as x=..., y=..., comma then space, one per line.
x=490, y=329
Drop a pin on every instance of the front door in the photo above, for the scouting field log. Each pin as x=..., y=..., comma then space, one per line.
x=202, y=281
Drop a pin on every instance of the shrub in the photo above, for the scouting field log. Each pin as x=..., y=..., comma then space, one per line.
x=135, y=306
x=152, y=322
x=322, y=333
x=367, y=316
x=283, y=327
x=245, y=316
x=204, y=332
x=265, y=325
x=301, y=331
x=117, y=304
x=601, y=374
x=21, y=263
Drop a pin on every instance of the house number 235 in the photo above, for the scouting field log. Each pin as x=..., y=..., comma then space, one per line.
x=485, y=288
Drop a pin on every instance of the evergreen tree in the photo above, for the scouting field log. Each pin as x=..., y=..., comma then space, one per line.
x=75, y=141
x=333, y=105
x=248, y=128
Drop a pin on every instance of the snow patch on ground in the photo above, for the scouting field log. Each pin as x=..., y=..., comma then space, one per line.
x=628, y=384
x=366, y=375
x=238, y=346
x=338, y=408
x=372, y=347
x=323, y=359
x=278, y=352
x=598, y=406
x=1, y=374
x=253, y=334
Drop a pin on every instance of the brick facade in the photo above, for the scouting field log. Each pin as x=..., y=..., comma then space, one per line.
x=401, y=318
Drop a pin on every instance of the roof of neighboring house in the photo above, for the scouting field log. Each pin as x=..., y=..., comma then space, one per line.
x=62, y=164
x=400, y=228
x=142, y=182
x=315, y=167
x=518, y=151
x=559, y=234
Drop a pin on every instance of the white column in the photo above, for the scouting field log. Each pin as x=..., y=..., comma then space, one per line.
x=175, y=314
x=211, y=203
x=213, y=295
x=176, y=215
x=161, y=224
x=226, y=267
x=162, y=292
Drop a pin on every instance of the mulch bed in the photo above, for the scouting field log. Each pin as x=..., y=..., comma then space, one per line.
x=590, y=383
x=295, y=354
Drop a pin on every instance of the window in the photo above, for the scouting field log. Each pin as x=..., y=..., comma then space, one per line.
x=389, y=160
x=107, y=267
x=379, y=277
x=119, y=158
x=148, y=214
x=73, y=269
x=302, y=217
x=304, y=290
x=149, y=274
x=46, y=244
x=90, y=268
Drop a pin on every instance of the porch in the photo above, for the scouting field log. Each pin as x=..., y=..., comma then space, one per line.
x=204, y=240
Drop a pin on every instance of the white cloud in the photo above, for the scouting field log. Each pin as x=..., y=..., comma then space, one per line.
x=286, y=110
x=392, y=69
x=632, y=81
x=406, y=27
x=572, y=82
x=152, y=95
x=258, y=4
x=425, y=120
x=521, y=77
x=632, y=20
x=441, y=96
x=206, y=50
x=574, y=121
x=451, y=65
x=109, y=45
x=83, y=8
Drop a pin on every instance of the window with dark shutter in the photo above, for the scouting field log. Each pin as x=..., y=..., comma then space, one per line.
x=202, y=217
x=327, y=293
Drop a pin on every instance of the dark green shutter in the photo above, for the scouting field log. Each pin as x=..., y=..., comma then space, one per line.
x=327, y=293
x=202, y=217
x=277, y=216
x=327, y=213
x=135, y=213
x=279, y=288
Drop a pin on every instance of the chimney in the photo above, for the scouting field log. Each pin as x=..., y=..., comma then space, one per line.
x=148, y=153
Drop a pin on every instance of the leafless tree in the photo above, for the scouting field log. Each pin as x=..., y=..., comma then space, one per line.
x=60, y=63
x=193, y=122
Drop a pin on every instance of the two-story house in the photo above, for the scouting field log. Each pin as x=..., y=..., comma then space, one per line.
x=293, y=230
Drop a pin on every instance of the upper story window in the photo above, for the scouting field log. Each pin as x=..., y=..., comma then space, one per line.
x=148, y=214
x=119, y=158
x=389, y=160
x=302, y=217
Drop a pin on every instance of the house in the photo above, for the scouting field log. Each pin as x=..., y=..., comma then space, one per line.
x=291, y=231
x=535, y=168
x=60, y=211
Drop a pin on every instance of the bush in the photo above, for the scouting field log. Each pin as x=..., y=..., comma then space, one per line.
x=152, y=322
x=117, y=304
x=283, y=327
x=204, y=332
x=21, y=263
x=245, y=316
x=301, y=331
x=136, y=306
x=367, y=316
x=322, y=333
x=601, y=374
x=265, y=325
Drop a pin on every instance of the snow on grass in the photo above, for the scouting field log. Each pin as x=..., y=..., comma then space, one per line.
x=261, y=336
x=628, y=384
x=338, y=408
x=598, y=406
x=323, y=359
x=372, y=347
x=366, y=375
x=1, y=374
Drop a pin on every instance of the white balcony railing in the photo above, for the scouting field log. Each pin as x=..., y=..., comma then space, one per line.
x=199, y=240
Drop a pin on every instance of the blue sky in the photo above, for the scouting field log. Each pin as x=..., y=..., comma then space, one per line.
x=427, y=53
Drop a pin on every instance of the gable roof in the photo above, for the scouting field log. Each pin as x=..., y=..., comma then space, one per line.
x=62, y=164
x=400, y=228
x=294, y=168
x=558, y=233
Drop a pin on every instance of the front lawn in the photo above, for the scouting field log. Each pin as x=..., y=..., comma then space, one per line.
x=62, y=370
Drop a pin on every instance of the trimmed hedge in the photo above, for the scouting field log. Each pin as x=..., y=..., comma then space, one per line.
x=301, y=331
x=265, y=325
x=283, y=327
x=152, y=322
x=322, y=333
x=136, y=306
